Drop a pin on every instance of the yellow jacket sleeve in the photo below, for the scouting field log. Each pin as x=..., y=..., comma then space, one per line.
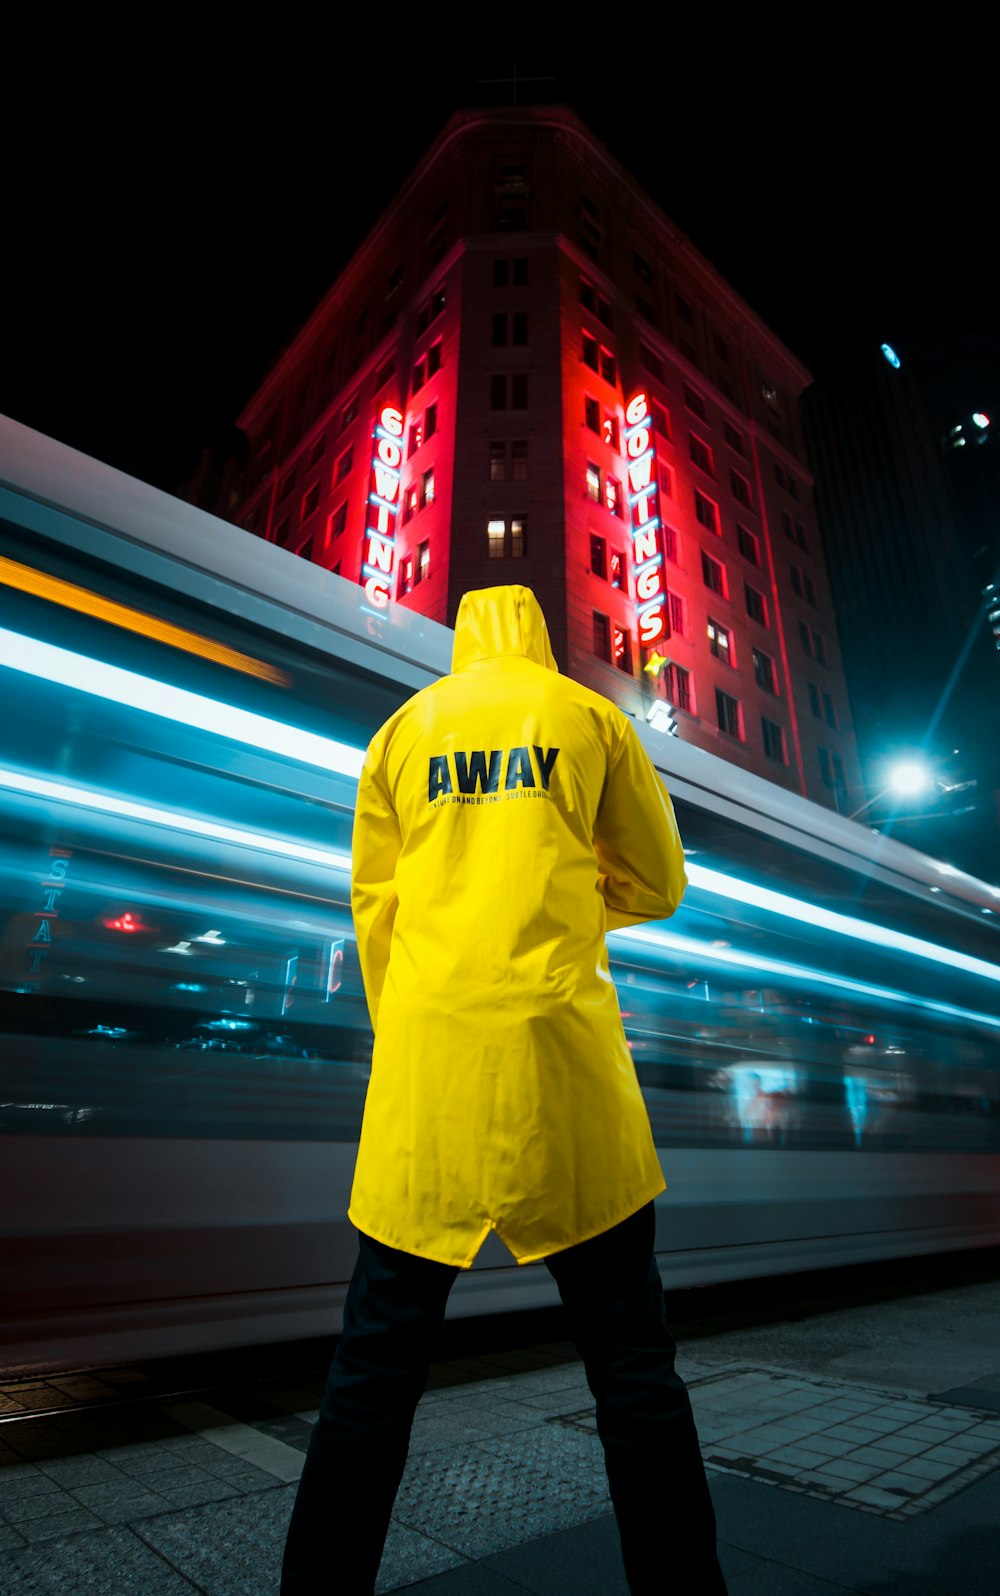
x=638, y=846
x=374, y=851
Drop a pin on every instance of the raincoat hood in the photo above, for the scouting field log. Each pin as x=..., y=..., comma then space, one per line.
x=493, y=622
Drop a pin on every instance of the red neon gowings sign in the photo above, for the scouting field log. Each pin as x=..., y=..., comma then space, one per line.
x=647, y=539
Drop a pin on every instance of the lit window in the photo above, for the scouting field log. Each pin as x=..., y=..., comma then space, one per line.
x=618, y=576
x=519, y=460
x=719, y=642
x=592, y=414
x=518, y=537
x=612, y=433
x=621, y=643
x=498, y=461
x=427, y=488
x=598, y=556
x=701, y=454
x=423, y=562
x=406, y=575
x=590, y=351
x=416, y=437
x=613, y=495
x=495, y=531
x=593, y=481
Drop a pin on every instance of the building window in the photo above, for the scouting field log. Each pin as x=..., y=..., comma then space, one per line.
x=427, y=488
x=590, y=351
x=602, y=637
x=679, y=687
x=501, y=273
x=646, y=310
x=706, y=511
x=609, y=368
x=519, y=327
x=622, y=648
x=281, y=530
x=598, y=556
x=310, y=501
x=763, y=670
x=695, y=403
x=592, y=414
x=506, y=538
x=671, y=543
x=287, y=484
x=719, y=642
x=774, y=740
x=349, y=413
x=732, y=437
x=498, y=392
x=338, y=520
x=593, y=482
x=344, y=463
x=651, y=360
x=829, y=713
x=423, y=562
x=727, y=710
x=619, y=574
x=701, y=454
x=519, y=460
x=666, y=474
x=317, y=451
x=499, y=329
x=431, y=421
x=756, y=604
x=676, y=607
x=713, y=573
x=812, y=642
x=643, y=270
x=520, y=271
x=498, y=461
x=406, y=576
x=416, y=437
x=825, y=769
x=409, y=504
x=418, y=376
x=796, y=575
x=434, y=358
x=810, y=589
x=612, y=431
x=748, y=545
x=613, y=496
x=741, y=489
x=519, y=391
x=661, y=420
x=814, y=699
x=385, y=370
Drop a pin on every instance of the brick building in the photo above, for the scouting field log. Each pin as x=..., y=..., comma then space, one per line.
x=526, y=374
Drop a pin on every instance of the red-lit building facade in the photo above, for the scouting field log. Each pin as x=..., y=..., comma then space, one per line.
x=526, y=374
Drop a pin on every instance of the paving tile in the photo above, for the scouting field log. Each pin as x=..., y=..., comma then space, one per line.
x=198, y=1495
x=37, y=1504
x=113, y=1561
x=71, y=1472
x=825, y=1445
x=905, y=1446
x=226, y=1548
x=120, y=1507
x=55, y=1524
x=926, y=1470
x=873, y=1497
x=24, y=1479
x=879, y=1456
x=839, y=1468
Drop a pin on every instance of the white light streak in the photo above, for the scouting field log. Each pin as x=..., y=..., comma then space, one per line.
x=844, y=925
x=111, y=682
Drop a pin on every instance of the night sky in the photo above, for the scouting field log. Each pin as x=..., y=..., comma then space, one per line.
x=172, y=225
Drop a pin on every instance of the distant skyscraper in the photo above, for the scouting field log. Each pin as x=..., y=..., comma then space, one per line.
x=526, y=374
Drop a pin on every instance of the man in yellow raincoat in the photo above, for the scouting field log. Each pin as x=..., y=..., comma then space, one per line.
x=506, y=818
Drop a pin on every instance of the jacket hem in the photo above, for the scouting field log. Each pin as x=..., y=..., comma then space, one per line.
x=549, y=1252
x=421, y=1252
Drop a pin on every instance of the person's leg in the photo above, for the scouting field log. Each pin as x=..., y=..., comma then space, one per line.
x=357, y=1451
x=613, y=1295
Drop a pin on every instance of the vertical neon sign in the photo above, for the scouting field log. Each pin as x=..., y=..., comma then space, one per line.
x=379, y=552
x=647, y=539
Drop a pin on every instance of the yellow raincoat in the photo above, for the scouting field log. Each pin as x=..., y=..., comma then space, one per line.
x=506, y=817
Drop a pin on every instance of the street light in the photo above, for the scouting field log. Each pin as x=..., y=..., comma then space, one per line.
x=906, y=779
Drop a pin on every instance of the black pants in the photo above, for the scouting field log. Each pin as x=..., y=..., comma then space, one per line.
x=395, y=1306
